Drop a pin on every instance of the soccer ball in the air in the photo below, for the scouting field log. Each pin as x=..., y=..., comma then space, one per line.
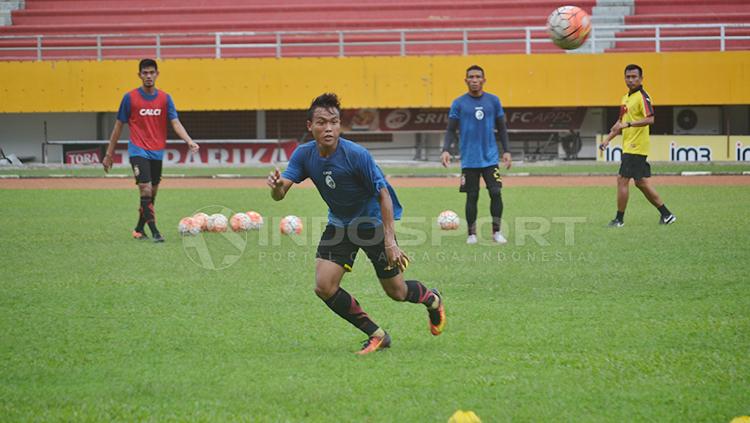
x=217, y=223
x=188, y=226
x=291, y=225
x=240, y=222
x=448, y=220
x=201, y=220
x=256, y=220
x=568, y=27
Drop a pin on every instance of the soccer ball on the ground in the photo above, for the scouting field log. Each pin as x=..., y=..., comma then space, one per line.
x=291, y=225
x=188, y=226
x=448, y=220
x=201, y=219
x=240, y=222
x=217, y=223
x=256, y=220
x=568, y=27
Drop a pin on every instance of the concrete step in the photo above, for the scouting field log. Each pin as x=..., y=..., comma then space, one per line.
x=7, y=6
x=616, y=3
x=611, y=10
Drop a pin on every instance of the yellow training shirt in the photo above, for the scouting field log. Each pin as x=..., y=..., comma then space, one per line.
x=636, y=105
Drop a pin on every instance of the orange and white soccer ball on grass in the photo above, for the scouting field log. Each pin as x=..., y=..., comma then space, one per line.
x=201, y=219
x=291, y=225
x=217, y=223
x=256, y=220
x=569, y=27
x=188, y=226
x=448, y=220
x=240, y=222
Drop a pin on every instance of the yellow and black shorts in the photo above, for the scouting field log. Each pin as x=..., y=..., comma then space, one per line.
x=470, y=178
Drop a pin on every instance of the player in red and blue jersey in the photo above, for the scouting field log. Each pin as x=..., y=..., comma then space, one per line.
x=362, y=207
x=146, y=110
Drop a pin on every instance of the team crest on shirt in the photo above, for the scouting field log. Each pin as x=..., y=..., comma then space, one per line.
x=479, y=113
x=329, y=179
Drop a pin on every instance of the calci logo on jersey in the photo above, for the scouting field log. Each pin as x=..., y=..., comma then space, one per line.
x=479, y=112
x=150, y=112
x=329, y=179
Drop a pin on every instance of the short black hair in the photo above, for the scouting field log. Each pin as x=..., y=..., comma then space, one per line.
x=326, y=101
x=147, y=63
x=631, y=67
x=474, y=67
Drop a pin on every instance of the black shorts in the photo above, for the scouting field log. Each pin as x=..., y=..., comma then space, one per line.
x=146, y=170
x=634, y=166
x=340, y=245
x=470, y=178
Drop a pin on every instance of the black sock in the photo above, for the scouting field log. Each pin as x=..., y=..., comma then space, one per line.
x=471, y=211
x=348, y=308
x=664, y=210
x=496, y=210
x=141, y=221
x=148, y=214
x=419, y=294
x=620, y=216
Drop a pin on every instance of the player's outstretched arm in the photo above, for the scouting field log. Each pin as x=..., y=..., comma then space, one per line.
x=116, y=132
x=182, y=133
x=393, y=253
x=278, y=184
x=613, y=132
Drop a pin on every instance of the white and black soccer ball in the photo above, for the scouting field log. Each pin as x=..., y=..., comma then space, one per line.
x=568, y=27
x=448, y=220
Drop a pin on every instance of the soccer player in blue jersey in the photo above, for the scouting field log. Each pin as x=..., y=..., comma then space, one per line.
x=362, y=207
x=477, y=114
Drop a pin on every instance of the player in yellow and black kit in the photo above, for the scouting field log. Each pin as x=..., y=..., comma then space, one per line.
x=636, y=114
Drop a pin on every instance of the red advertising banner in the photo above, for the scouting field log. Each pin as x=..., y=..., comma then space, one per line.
x=217, y=153
x=81, y=157
x=431, y=120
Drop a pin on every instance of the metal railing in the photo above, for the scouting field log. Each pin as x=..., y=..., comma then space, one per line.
x=398, y=42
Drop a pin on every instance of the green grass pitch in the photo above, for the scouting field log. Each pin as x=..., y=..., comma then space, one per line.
x=571, y=323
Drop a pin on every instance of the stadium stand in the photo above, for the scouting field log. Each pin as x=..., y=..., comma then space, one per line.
x=191, y=24
x=691, y=13
x=108, y=29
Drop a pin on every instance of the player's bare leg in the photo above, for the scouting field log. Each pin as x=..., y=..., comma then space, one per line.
x=328, y=277
x=623, y=191
x=644, y=184
x=414, y=292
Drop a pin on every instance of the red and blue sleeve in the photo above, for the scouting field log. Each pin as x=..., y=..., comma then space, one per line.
x=171, y=110
x=123, y=115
